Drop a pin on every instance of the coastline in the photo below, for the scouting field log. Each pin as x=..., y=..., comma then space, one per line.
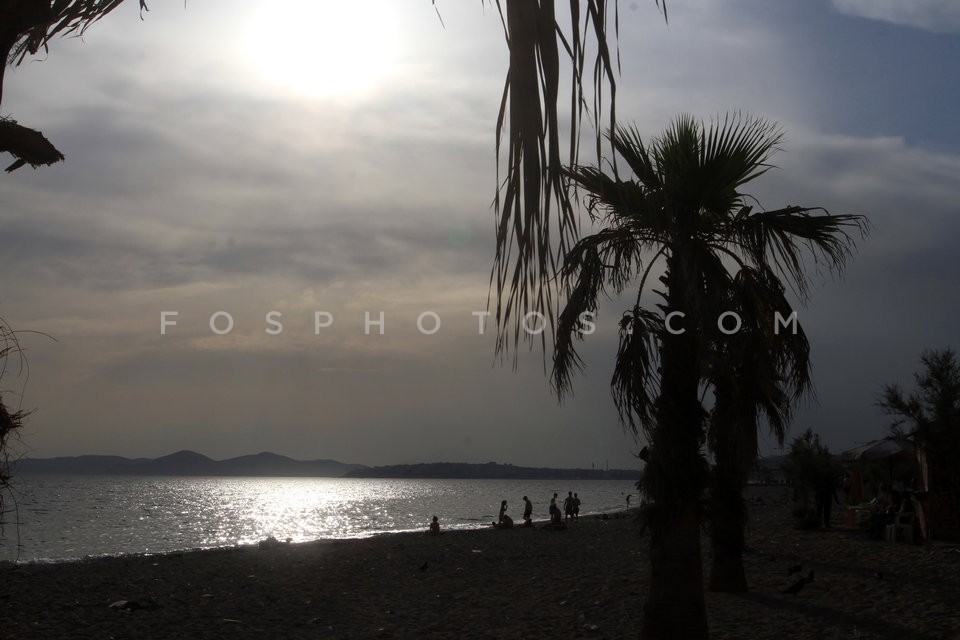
x=480, y=525
x=588, y=581
x=75, y=517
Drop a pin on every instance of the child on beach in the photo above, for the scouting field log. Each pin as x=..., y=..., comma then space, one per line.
x=435, y=527
x=503, y=521
x=555, y=515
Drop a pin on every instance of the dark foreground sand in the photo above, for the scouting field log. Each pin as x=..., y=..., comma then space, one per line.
x=586, y=582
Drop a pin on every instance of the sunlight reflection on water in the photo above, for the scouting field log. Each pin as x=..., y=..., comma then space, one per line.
x=74, y=516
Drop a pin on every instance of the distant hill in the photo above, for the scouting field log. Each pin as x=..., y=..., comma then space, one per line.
x=187, y=463
x=491, y=470
x=190, y=463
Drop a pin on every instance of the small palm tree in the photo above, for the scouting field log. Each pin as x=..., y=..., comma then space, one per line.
x=683, y=208
x=756, y=374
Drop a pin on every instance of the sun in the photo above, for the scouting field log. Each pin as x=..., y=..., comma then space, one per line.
x=323, y=48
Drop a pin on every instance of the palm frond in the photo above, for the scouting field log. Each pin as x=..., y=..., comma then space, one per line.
x=736, y=150
x=636, y=378
x=624, y=203
x=61, y=18
x=588, y=270
x=629, y=144
x=787, y=237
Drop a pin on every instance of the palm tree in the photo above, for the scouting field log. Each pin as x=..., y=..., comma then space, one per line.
x=683, y=207
x=755, y=373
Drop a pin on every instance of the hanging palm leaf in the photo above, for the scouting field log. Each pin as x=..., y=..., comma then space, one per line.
x=536, y=224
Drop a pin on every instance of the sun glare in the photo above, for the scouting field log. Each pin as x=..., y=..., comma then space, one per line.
x=323, y=48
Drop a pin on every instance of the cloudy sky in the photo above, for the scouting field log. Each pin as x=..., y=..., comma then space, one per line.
x=303, y=156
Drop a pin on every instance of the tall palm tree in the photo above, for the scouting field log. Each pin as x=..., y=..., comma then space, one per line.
x=682, y=208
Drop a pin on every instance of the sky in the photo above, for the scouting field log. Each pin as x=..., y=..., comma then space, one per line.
x=298, y=157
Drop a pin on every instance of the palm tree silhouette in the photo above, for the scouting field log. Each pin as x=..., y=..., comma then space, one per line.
x=756, y=374
x=683, y=208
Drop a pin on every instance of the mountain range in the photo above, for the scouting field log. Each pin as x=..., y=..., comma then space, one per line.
x=187, y=463
x=190, y=463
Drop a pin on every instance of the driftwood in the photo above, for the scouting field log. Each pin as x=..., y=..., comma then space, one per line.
x=27, y=145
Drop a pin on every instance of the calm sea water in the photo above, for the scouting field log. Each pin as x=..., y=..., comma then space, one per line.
x=68, y=517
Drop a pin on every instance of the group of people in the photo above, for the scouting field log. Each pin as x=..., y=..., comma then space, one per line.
x=571, y=508
x=558, y=517
x=571, y=511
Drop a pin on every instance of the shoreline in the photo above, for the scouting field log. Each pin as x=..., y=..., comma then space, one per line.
x=480, y=526
x=74, y=517
x=588, y=581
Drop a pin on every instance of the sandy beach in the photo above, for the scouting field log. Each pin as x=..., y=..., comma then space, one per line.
x=585, y=582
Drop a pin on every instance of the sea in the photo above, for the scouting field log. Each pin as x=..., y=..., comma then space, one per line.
x=56, y=518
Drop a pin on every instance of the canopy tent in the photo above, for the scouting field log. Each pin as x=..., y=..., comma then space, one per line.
x=877, y=456
x=882, y=457
x=877, y=450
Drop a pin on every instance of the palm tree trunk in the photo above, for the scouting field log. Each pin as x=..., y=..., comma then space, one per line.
x=675, y=475
x=728, y=517
x=675, y=606
x=733, y=440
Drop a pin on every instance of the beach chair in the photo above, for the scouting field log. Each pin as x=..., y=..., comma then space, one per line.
x=902, y=528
